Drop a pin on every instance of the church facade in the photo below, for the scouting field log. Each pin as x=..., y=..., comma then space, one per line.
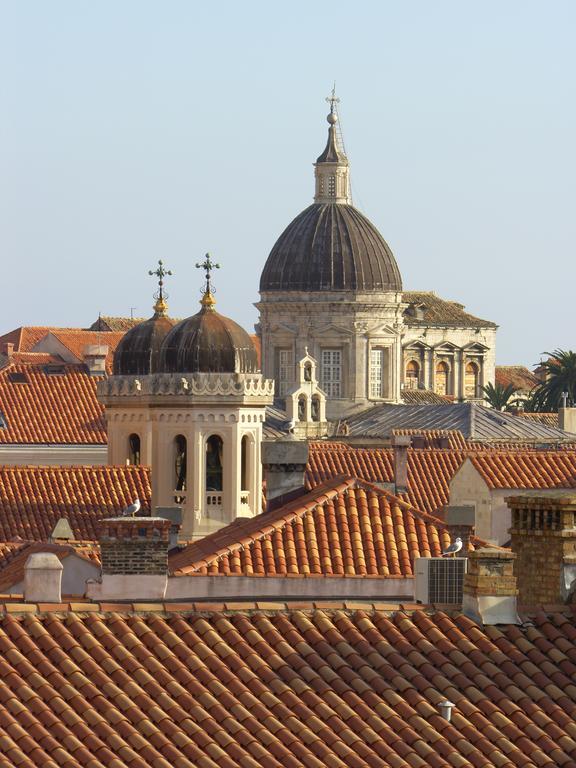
x=331, y=287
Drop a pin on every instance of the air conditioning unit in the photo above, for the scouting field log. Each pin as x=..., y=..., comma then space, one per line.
x=439, y=579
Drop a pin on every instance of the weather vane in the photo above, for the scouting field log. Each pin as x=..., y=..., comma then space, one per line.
x=160, y=273
x=333, y=99
x=207, y=265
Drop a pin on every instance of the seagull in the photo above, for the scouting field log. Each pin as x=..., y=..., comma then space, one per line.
x=455, y=547
x=132, y=510
x=290, y=426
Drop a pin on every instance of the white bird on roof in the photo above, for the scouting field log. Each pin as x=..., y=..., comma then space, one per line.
x=132, y=510
x=455, y=547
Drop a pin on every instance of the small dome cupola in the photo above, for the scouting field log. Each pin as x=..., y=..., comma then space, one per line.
x=138, y=352
x=331, y=246
x=208, y=342
x=331, y=168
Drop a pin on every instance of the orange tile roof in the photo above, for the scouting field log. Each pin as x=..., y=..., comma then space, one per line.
x=430, y=471
x=33, y=499
x=26, y=339
x=283, y=689
x=517, y=375
x=342, y=528
x=12, y=564
x=545, y=469
x=56, y=409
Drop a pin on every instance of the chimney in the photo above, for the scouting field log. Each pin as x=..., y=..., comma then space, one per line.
x=174, y=515
x=401, y=443
x=490, y=587
x=543, y=535
x=43, y=578
x=134, y=553
x=567, y=419
x=461, y=522
x=62, y=531
x=7, y=349
x=95, y=358
x=445, y=709
x=284, y=463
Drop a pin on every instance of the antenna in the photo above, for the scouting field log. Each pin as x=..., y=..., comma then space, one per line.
x=132, y=312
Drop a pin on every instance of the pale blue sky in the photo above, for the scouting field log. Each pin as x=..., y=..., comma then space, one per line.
x=133, y=130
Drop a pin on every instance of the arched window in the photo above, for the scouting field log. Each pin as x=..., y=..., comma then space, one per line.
x=214, y=448
x=315, y=408
x=442, y=378
x=180, y=461
x=244, y=463
x=308, y=372
x=134, y=450
x=471, y=380
x=412, y=375
x=301, y=408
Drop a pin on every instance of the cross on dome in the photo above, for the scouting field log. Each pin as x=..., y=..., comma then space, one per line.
x=208, y=265
x=160, y=307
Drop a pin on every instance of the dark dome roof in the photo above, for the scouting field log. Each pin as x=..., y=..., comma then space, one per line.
x=208, y=343
x=331, y=246
x=138, y=352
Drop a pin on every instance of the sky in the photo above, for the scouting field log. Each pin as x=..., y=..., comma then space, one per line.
x=132, y=131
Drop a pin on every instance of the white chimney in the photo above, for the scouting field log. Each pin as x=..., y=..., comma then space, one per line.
x=95, y=358
x=445, y=708
x=43, y=578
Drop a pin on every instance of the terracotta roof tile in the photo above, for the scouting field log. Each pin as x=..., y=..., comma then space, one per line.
x=43, y=407
x=430, y=471
x=342, y=528
x=517, y=375
x=33, y=499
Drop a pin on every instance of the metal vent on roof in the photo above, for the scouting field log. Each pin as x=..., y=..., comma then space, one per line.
x=17, y=377
x=439, y=579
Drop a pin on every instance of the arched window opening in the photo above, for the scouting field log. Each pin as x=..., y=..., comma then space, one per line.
x=244, y=463
x=214, y=448
x=412, y=375
x=134, y=450
x=301, y=408
x=471, y=380
x=315, y=408
x=308, y=372
x=180, y=462
x=442, y=378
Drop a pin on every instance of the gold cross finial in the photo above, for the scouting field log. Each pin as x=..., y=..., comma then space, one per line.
x=208, y=265
x=333, y=99
x=160, y=307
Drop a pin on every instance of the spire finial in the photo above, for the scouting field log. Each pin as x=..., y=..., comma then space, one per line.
x=160, y=307
x=208, y=265
x=332, y=100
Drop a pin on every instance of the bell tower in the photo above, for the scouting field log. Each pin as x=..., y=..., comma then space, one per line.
x=201, y=410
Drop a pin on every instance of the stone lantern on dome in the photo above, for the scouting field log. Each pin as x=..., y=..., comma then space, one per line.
x=197, y=414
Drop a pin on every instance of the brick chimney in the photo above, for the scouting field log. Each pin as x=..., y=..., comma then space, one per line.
x=7, y=349
x=134, y=553
x=490, y=587
x=401, y=443
x=543, y=535
x=43, y=578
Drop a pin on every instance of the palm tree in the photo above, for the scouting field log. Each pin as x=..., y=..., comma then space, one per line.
x=500, y=397
x=560, y=373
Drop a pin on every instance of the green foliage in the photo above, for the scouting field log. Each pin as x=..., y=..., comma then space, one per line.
x=499, y=397
x=560, y=373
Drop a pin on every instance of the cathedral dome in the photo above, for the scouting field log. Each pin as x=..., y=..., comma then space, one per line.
x=331, y=247
x=138, y=352
x=208, y=343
